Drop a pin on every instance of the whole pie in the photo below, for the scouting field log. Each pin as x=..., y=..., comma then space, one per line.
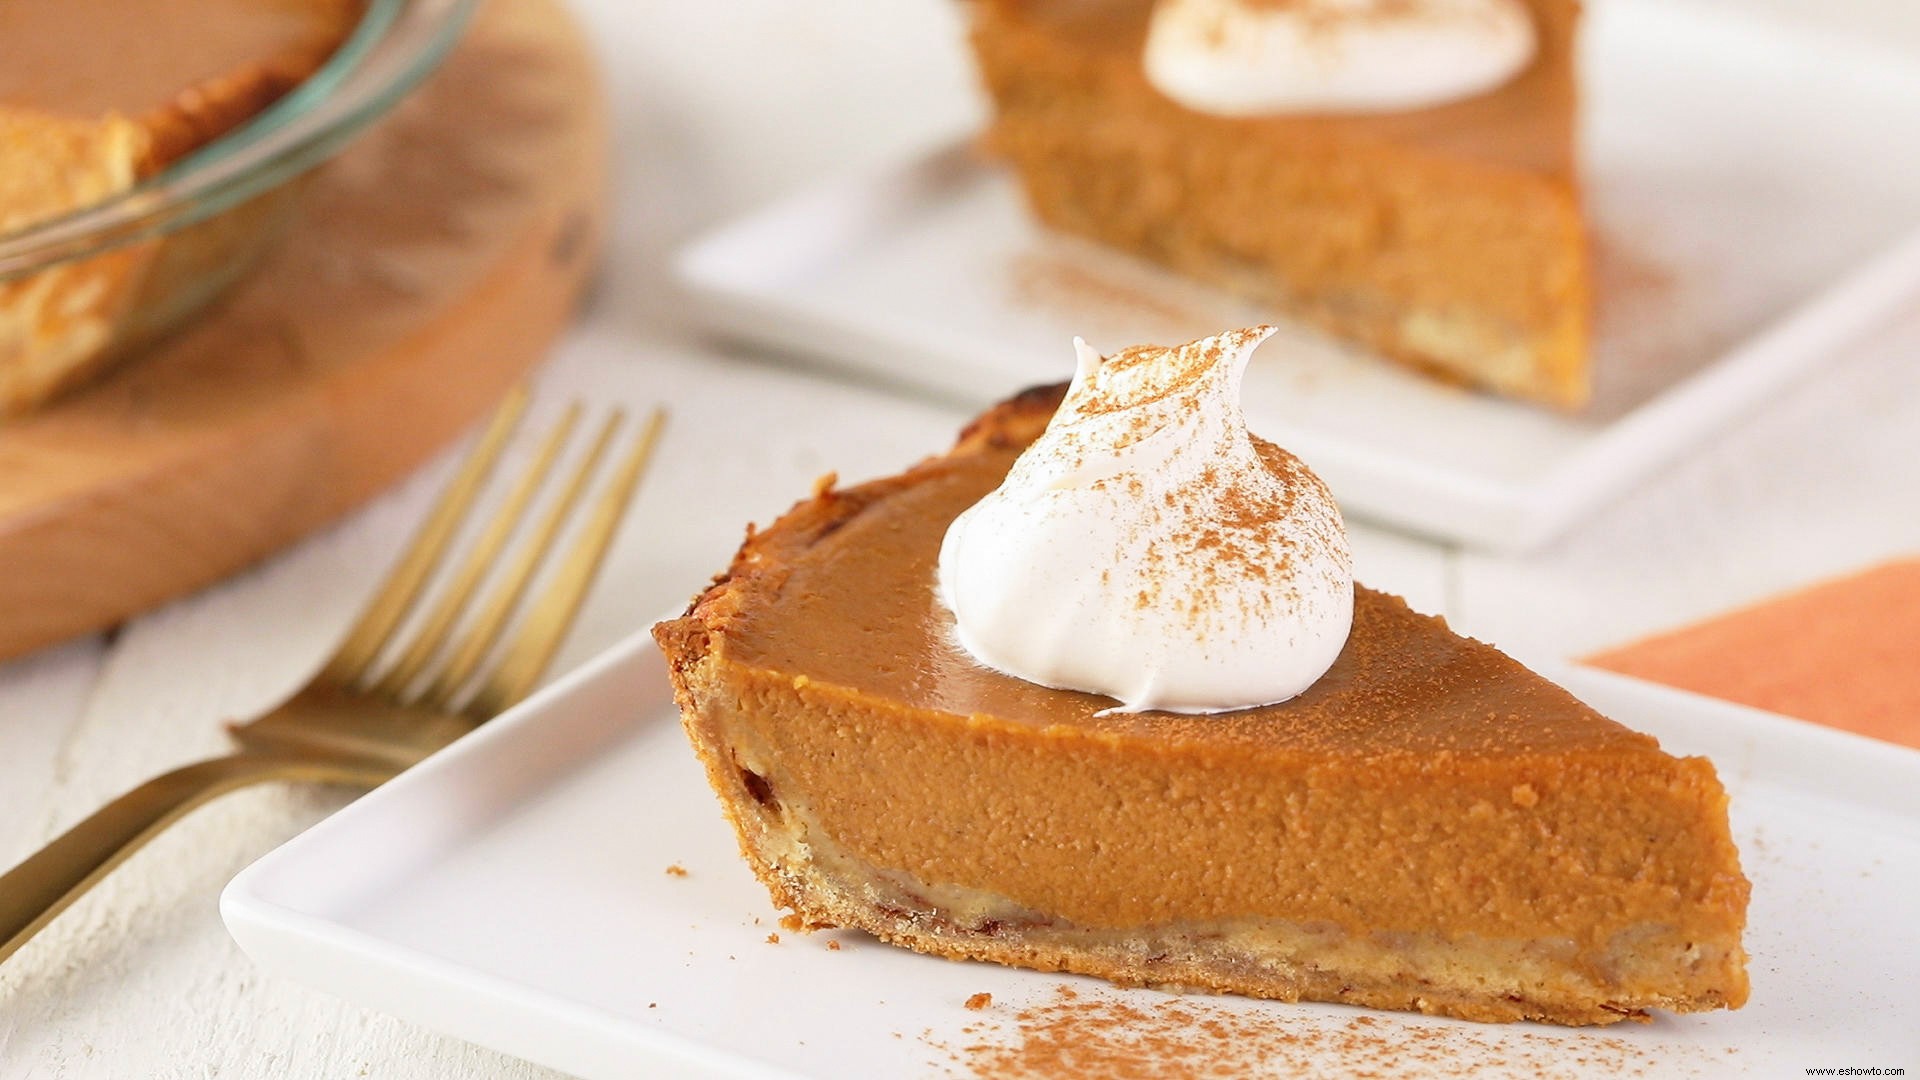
x=1448, y=237
x=98, y=95
x=1430, y=826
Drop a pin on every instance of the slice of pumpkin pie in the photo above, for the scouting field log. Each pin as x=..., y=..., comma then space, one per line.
x=1401, y=173
x=1131, y=719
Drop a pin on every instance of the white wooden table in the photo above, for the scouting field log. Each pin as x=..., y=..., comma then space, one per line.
x=720, y=107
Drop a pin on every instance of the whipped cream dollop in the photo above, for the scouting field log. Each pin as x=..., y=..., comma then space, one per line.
x=1248, y=57
x=1149, y=548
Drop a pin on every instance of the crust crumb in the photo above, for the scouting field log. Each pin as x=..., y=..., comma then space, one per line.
x=979, y=1001
x=833, y=946
x=676, y=870
x=773, y=939
x=791, y=922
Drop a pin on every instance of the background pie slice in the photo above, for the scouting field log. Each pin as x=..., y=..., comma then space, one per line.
x=1449, y=238
x=1430, y=827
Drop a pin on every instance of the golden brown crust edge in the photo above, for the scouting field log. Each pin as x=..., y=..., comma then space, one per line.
x=211, y=109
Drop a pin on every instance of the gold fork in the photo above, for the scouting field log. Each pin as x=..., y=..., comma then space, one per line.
x=355, y=722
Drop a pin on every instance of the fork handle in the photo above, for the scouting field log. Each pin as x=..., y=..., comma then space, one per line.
x=42, y=886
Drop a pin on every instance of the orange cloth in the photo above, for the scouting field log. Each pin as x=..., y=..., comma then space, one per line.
x=1844, y=653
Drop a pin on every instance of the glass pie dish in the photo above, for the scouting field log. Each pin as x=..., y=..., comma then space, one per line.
x=86, y=289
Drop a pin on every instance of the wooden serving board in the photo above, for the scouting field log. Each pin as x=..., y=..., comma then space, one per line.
x=427, y=270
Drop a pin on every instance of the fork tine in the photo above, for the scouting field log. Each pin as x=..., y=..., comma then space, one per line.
x=438, y=626
x=403, y=582
x=553, y=614
x=499, y=604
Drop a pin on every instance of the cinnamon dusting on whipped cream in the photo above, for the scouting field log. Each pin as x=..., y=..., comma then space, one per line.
x=1148, y=547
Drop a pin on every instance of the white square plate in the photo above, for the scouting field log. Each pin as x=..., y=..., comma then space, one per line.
x=1755, y=195
x=514, y=891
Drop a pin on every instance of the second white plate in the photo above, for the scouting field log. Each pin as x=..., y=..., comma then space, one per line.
x=1752, y=211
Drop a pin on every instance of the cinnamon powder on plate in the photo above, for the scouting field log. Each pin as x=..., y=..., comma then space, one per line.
x=1087, y=1035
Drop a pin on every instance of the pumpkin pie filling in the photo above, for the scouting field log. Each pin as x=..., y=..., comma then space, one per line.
x=1429, y=826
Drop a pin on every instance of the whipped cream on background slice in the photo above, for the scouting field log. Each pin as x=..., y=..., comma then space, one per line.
x=1146, y=547
x=1249, y=57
